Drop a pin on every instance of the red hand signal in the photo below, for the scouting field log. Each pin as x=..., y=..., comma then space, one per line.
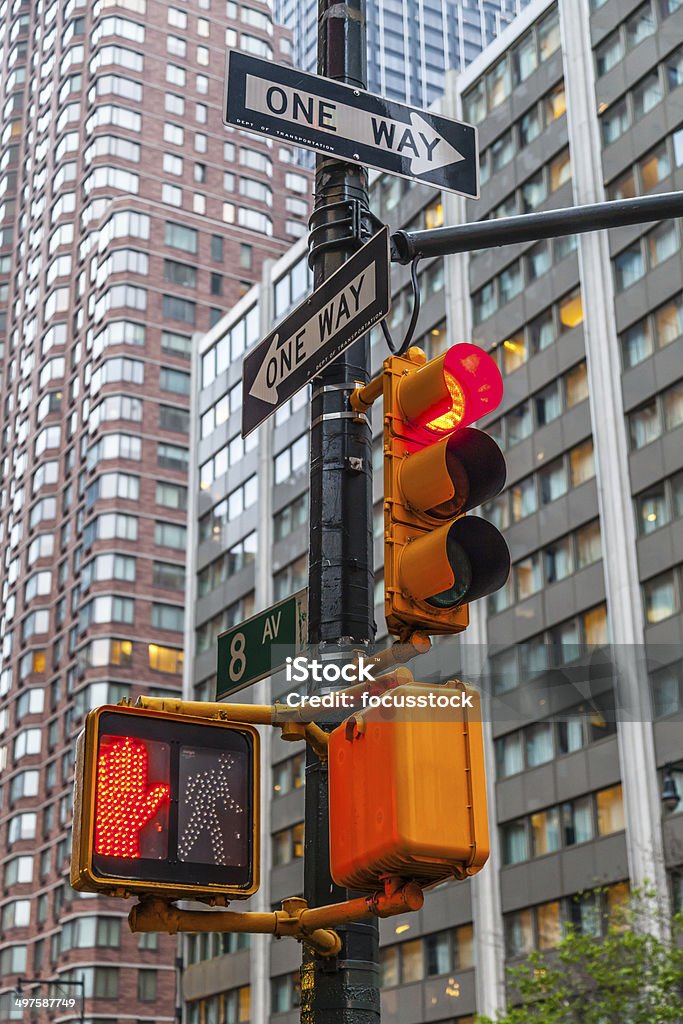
x=123, y=803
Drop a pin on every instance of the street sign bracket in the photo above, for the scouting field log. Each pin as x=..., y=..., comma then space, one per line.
x=361, y=223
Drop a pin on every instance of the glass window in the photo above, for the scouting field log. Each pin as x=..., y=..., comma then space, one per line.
x=553, y=481
x=515, y=842
x=510, y=282
x=545, y=832
x=509, y=755
x=559, y=562
x=637, y=344
x=588, y=544
x=669, y=322
x=529, y=577
x=673, y=406
x=577, y=821
x=582, y=463
x=640, y=25
x=519, y=933
x=515, y=353
x=502, y=152
x=519, y=423
x=438, y=953
x=570, y=736
x=662, y=242
x=549, y=925
x=542, y=332
x=389, y=966
x=524, y=500
x=530, y=126
x=560, y=170
x=498, y=84
x=624, y=187
x=609, y=53
x=660, y=598
x=571, y=310
x=645, y=425
x=652, y=509
x=677, y=494
x=538, y=261
x=610, y=810
x=629, y=266
x=535, y=192
x=655, y=167
x=412, y=967
x=647, y=95
x=576, y=385
x=524, y=59
x=549, y=34
x=615, y=121
x=674, y=69
x=548, y=404
x=539, y=744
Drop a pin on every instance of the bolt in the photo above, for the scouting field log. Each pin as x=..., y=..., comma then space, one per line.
x=355, y=156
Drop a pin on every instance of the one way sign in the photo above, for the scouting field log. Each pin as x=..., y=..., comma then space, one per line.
x=351, y=124
x=342, y=309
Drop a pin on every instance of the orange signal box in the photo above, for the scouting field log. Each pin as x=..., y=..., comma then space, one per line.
x=408, y=792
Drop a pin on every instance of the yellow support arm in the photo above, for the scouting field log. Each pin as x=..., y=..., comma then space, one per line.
x=314, y=927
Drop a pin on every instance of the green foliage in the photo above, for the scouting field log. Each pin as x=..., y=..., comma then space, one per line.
x=632, y=973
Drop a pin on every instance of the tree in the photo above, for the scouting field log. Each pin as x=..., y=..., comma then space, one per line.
x=614, y=971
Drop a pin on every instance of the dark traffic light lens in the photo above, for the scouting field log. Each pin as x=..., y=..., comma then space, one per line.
x=462, y=572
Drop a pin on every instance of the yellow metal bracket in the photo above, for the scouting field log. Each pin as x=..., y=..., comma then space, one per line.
x=314, y=927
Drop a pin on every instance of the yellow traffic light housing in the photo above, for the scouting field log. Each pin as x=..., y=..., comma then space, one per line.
x=165, y=804
x=436, y=468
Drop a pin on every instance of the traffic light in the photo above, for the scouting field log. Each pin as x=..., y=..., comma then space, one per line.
x=407, y=789
x=166, y=804
x=436, y=468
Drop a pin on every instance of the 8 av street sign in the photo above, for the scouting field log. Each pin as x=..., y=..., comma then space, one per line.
x=346, y=306
x=260, y=646
x=351, y=124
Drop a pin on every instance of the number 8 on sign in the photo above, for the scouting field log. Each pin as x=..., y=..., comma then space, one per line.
x=238, y=659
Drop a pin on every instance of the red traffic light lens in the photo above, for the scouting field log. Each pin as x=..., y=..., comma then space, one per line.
x=131, y=798
x=449, y=392
x=473, y=385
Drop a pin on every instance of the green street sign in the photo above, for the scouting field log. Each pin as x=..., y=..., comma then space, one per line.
x=260, y=646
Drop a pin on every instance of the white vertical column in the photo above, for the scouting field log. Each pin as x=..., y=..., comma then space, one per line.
x=636, y=742
x=259, y=961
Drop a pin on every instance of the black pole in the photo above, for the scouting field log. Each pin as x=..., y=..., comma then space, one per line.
x=340, y=596
x=486, y=234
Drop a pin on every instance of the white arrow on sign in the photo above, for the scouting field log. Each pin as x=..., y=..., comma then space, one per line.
x=286, y=355
x=418, y=141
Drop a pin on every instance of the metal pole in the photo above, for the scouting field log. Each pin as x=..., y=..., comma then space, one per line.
x=486, y=234
x=344, y=989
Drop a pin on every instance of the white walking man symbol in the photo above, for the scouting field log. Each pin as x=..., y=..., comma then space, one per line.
x=204, y=791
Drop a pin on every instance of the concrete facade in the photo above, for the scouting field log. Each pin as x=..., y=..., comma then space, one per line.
x=573, y=103
x=130, y=219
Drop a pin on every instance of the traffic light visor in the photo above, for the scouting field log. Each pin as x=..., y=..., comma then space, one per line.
x=452, y=391
x=454, y=475
x=458, y=562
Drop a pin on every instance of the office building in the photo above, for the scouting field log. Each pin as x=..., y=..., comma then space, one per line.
x=411, y=44
x=129, y=219
x=575, y=103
